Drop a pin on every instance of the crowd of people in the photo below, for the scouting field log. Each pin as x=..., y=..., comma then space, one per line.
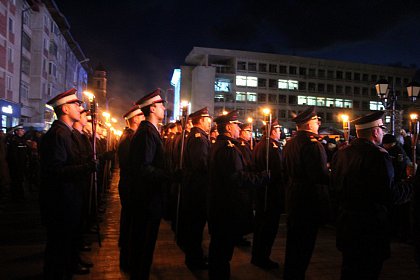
x=211, y=171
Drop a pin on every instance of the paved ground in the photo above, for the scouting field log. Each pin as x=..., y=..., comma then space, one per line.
x=22, y=240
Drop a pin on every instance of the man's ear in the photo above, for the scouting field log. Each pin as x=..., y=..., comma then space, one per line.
x=65, y=109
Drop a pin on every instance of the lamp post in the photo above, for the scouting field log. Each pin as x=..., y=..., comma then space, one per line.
x=251, y=142
x=346, y=127
x=388, y=99
x=413, y=89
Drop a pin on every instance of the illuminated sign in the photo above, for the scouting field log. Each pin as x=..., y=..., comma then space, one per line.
x=7, y=109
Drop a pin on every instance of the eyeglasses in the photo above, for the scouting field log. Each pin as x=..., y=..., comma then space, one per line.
x=383, y=127
x=78, y=102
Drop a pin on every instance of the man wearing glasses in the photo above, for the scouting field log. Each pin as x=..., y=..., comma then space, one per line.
x=364, y=188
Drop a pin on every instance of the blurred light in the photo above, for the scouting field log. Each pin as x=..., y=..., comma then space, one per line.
x=114, y=120
x=344, y=117
x=266, y=111
x=250, y=120
x=286, y=131
x=413, y=116
x=176, y=76
x=106, y=114
x=184, y=103
x=224, y=112
x=89, y=95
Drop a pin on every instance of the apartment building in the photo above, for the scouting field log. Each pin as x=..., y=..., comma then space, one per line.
x=39, y=58
x=225, y=80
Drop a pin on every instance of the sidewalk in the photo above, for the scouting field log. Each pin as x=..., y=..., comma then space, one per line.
x=22, y=241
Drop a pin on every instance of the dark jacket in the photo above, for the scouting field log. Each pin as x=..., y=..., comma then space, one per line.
x=363, y=186
x=123, y=153
x=306, y=174
x=147, y=173
x=275, y=191
x=62, y=171
x=229, y=188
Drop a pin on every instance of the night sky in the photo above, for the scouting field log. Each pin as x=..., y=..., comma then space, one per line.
x=140, y=42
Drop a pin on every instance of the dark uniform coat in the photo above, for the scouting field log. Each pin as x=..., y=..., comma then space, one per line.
x=363, y=184
x=229, y=188
x=61, y=196
x=305, y=168
x=123, y=153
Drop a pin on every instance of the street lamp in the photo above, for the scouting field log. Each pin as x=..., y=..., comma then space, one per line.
x=388, y=99
x=251, y=121
x=413, y=89
x=346, y=126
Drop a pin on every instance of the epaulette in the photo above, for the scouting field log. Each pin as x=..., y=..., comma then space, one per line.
x=165, y=137
x=313, y=139
x=242, y=143
x=230, y=144
x=198, y=135
x=275, y=146
x=213, y=141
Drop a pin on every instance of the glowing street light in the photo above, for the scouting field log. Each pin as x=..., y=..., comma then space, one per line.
x=251, y=142
x=114, y=120
x=346, y=126
x=89, y=95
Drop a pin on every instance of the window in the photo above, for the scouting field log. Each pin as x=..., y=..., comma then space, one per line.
x=283, y=69
x=292, y=99
x=347, y=90
x=282, y=99
x=272, y=98
x=272, y=83
x=330, y=74
x=375, y=106
x=8, y=82
x=222, y=85
x=293, y=85
x=251, y=81
x=262, y=82
x=283, y=84
x=50, y=89
x=241, y=81
x=365, y=105
x=330, y=88
x=45, y=44
x=302, y=100
x=329, y=116
x=218, y=98
x=311, y=86
x=9, y=54
x=262, y=97
x=348, y=76
x=356, y=90
x=312, y=72
x=53, y=48
x=302, y=71
x=339, y=75
x=262, y=67
x=272, y=68
x=348, y=103
x=339, y=89
x=321, y=73
x=320, y=101
x=292, y=70
x=241, y=65
x=26, y=65
x=339, y=103
x=252, y=66
x=52, y=69
x=240, y=97
x=44, y=66
x=373, y=92
x=251, y=96
x=330, y=102
x=311, y=100
x=282, y=114
x=321, y=87
x=357, y=76
x=26, y=18
x=356, y=104
x=374, y=78
x=98, y=84
x=11, y=28
x=24, y=90
x=26, y=41
x=365, y=77
x=365, y=91
x=302, y=86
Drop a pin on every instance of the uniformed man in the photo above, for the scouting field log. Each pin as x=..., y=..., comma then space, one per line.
x=17, y=158
x=229, y=184
x=133, y=119
x=193, y=216
x=60, y=194
x=147, y=180
x=213, y=134
x=269, y=200
x=364, y=187
x=307, y=197
x=244, y=139
x=85, y=151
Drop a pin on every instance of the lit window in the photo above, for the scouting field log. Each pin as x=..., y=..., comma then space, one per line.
x=283, y=84
x=241, y=80
x=251, y=97
x=320, y=101
x=348, y=103
x=375, y=105
x=240, y=96
x=311, y=100
x=222, y=85
x=293, y=85
x=339, y=103
x=330, y=102
x=302, y=100
x=252, y=81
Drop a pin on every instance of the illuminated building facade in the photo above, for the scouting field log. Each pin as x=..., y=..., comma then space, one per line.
x=229, y=79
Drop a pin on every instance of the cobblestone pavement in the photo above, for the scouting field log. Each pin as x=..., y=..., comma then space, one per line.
x=22, y=240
